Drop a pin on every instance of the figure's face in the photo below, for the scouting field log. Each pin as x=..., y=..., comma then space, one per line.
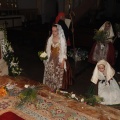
x=101, y=68
x=54, y=31
x=107, y=26
x=62, y=17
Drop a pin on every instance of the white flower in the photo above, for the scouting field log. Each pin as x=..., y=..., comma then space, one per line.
x=26, y=86
x=11, y=49
x=102, y=46
x=73, y=96
x=43, y=55
x=9, y=86
x=13, y=64
x=82, y=100
x=33, y=86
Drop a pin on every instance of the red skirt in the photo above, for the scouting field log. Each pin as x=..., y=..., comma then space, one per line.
x=67, y=77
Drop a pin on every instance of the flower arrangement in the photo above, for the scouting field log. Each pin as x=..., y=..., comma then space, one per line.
x=7, y=89
x=100, y=36
x=9, y=57
x=78, y=54
x=27, y=95
x=91, y=100
x=68, y=95
x=42, y=55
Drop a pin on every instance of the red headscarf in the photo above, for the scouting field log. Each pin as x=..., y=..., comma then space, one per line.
x=60, y=14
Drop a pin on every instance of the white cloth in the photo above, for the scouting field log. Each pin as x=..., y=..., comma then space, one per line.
x=108, y=89
x=110, y=31
x=110, y=92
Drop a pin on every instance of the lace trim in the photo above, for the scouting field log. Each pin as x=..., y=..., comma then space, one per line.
x=55, y=44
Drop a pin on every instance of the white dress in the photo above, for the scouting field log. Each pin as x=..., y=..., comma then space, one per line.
x=109, y=91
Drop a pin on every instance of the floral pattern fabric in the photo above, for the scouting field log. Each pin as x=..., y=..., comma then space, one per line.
x=53, y=75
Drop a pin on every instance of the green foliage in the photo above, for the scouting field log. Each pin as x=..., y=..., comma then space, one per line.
x=100, y=36
x=27, y=95
x=92, y=100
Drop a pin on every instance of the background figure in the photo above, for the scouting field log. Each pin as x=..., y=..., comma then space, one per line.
x=108, y=88
x=104, y=50
x=57, y=74
x=3, y=64
x=60, y=19
x=117, y=47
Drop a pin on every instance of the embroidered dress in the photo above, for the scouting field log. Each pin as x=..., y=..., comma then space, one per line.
x=53, y=75
x=57, y=73
x=100, y=51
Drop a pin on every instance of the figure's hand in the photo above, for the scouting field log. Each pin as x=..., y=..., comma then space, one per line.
x=44, y=61
x=72, y=30
x=119, y=83
x=62, y=64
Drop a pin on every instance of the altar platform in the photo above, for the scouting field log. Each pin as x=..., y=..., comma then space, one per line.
x=52, y=106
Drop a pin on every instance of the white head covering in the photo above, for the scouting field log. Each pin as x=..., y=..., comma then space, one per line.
x=60, y=31
x=111, y=33
x=63, y=46
x=109, y=72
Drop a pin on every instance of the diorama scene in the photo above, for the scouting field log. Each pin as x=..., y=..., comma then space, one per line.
x=59, y=60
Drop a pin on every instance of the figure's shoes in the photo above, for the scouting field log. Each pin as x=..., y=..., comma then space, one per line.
x=118, y=73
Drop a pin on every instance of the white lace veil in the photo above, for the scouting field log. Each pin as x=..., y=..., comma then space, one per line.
x=111, y=33
x=60, y=31
x=63, y=46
